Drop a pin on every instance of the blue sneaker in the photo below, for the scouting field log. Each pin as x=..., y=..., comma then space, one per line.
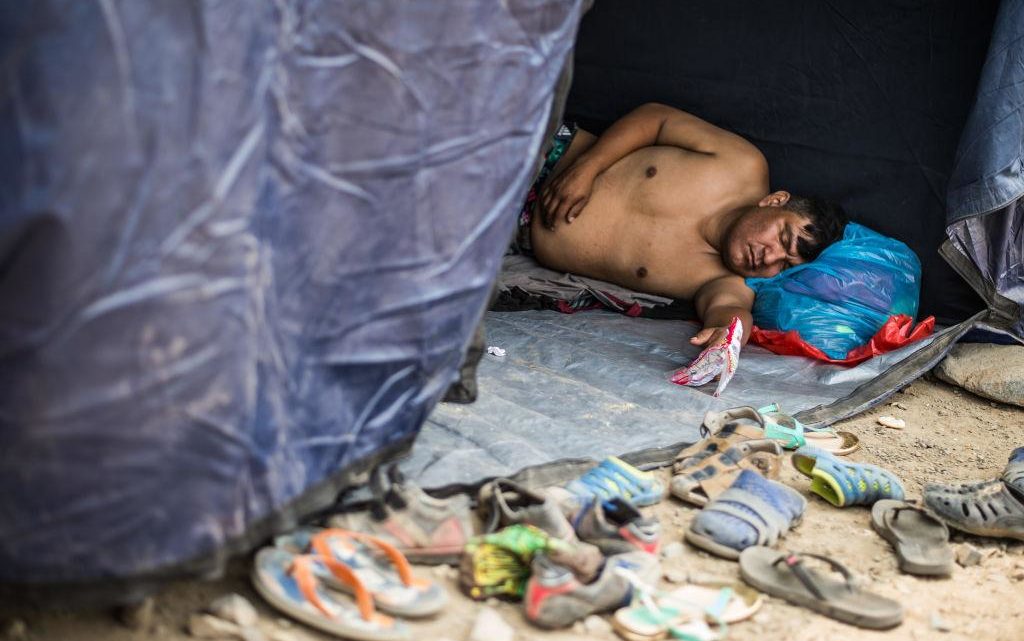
x=615, y=478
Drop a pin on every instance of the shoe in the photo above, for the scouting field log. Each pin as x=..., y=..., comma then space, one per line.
x=988, y=508
x=615, y=526
x=612, y=478
x=498, y=564
x=504, y=502
x=426, y=530
x=753, y=511
x=842, y=483
x=556, y=599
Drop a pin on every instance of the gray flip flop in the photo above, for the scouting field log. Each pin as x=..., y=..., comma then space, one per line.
x=920, y=540
x=783, y=575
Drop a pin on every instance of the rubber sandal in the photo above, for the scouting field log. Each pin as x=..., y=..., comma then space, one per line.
x=753, y=511
x=794, y=435
x=653, y=616
x=555, y=599
x=843, y=483
x=784, y=575
x=711, y=476
x=920, y=540
x=613, y=478
x=990, y=508
x=288, y=582
x=380, y=567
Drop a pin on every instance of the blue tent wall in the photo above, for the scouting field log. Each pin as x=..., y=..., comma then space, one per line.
x=243, y=245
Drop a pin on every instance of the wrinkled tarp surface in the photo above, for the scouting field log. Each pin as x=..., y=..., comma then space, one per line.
x=243, y=245
x=596, y=384
x=985, y=200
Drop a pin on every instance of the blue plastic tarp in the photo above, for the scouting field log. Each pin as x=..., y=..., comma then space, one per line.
x=243, y=247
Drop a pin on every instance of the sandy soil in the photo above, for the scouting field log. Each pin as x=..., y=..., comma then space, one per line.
x=951, y=435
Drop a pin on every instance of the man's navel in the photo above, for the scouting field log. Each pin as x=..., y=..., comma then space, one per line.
x=651, y=171
x=641, y=271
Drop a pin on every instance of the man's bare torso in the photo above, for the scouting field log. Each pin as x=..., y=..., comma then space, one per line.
x=642, y=226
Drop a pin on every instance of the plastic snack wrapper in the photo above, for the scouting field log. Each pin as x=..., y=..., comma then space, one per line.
x=720, y=359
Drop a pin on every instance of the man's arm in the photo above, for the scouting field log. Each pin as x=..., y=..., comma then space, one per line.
x=650, y=124
x=717, y=302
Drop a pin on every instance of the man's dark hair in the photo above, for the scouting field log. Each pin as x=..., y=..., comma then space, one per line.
x=827, y=221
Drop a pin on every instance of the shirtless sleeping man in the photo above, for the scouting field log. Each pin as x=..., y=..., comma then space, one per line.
x=667, y=204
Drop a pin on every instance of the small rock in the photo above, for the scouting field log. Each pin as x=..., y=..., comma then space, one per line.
x=892, y=421
x=495, y=351
x=672, y=550
x=675, y=575
x=252, y=633
x=596, y=625
x=967, y=555
x=489, y=626
x=207, y=626
x=939, y=624
x=14, y=629
x=138, y=616
x=235, y=608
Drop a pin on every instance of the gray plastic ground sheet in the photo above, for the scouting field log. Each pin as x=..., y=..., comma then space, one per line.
x=594, y=384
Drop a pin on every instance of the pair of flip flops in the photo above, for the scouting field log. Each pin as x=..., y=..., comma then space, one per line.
x=309, y=575
x=694, y=612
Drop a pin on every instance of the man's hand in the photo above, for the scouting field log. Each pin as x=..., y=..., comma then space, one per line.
x=710, y=336
x=567, y=194
x=719, y=358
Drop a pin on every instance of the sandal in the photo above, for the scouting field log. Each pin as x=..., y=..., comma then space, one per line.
x=289, y=583
x=990, y=508
x=504, y=502
x=794, y=434
x=381, y=569
x=713, y=474
x=719, y=432
x=425, y=529
x=784, y=575
x=753, y=511
x=921, y=541
x=842, y=483
x=654, y=615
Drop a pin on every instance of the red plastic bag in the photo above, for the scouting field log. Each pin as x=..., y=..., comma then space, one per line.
x=899, y=331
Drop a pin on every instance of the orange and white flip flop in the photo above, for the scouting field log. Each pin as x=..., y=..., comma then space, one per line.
x=378, y=565
x=289, y=583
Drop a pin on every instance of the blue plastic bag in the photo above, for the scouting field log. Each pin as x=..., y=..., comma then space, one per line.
x=841, y=299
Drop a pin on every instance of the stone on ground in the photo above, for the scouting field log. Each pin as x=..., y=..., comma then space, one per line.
x=489, y=626
x=235, y=608
x=992, y=371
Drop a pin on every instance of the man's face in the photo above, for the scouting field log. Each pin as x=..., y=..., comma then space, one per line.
x=763, y=242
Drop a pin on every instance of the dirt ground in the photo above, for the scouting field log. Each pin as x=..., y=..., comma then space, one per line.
x=951, y=435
